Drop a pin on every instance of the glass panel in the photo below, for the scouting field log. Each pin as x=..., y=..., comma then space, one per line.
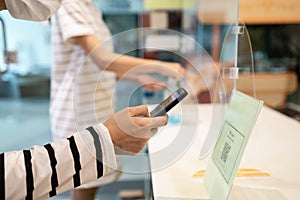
x=218, y=21
x=236, y=61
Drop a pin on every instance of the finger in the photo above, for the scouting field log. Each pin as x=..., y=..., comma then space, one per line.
x=179, y=72
x=154, y=122
x=176, y=76
x=149, y=134
x=159, y=85
x=153, y=131
x=154, y=86
x=160, y=121
x=141, y=110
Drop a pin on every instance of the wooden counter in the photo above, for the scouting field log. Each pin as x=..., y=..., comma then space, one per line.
x=272, y=88
x=250, y=12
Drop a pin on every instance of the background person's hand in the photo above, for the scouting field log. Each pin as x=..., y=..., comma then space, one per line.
x=170, y=69
x=178, y=68
x=148, y=82
x=131, y=128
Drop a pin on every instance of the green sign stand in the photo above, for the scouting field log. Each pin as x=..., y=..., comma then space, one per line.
x=240, y=118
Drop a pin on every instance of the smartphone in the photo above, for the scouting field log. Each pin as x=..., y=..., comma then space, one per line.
x=169, y=103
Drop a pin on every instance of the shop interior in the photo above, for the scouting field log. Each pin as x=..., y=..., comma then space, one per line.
x=261, y=38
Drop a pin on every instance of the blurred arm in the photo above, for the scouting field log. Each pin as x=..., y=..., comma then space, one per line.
x=121, y=64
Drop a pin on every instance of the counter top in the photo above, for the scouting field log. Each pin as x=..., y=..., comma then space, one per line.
x=273, y=147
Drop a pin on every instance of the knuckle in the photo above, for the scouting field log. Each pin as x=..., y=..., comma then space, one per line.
x=144, y=140
x=154, y=130
x=146, y=107
x=129, y=110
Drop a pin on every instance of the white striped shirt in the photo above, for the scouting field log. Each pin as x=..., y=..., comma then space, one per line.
x=48, y=170
x=81, y=94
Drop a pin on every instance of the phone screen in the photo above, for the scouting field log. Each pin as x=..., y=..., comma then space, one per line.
x=169, y=103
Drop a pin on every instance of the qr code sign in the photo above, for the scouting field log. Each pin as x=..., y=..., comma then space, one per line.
x=225, y=152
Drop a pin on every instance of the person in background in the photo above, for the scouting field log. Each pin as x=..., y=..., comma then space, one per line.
x=45, y=171
x=82, y=53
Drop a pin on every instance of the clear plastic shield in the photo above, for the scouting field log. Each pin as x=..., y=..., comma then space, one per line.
x=97, y=92
x=236, y=61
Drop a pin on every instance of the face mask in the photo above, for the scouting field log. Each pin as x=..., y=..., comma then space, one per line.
x=34, y=10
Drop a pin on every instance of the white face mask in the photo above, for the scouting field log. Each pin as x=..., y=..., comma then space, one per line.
x=34, y=10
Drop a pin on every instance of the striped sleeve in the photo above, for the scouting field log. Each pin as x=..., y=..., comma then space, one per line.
x=44, y=171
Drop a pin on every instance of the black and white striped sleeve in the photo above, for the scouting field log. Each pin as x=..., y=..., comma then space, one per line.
x=44, y=171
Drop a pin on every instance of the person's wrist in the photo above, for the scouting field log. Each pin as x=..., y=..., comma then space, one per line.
x=107, y=129
x=107, y=125
x=109, y=159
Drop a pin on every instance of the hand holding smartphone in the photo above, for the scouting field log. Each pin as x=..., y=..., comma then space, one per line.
x=169, y=103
